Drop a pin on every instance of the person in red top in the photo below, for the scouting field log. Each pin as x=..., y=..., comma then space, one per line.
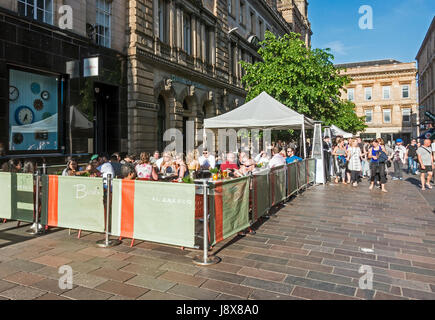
x=230, y=163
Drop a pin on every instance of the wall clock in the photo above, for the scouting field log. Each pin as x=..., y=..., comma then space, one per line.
x=14, y=93
x=35, y=87
x=38, y=104
x=17, y=138
x=24, y=115
x=45, y=95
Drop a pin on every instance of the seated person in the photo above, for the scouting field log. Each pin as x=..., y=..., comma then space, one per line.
x=207, y=161
x=230, y=163
x=192, y=161
x=144, y=168
x=128, y=172
x=182, y=170
x=262, y=158
x=291, y=157
x=246, y=168
x=167, y=165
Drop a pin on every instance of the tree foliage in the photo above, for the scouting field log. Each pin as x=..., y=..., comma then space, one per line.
x=301, y=78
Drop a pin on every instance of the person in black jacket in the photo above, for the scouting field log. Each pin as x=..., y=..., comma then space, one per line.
x=327, y=149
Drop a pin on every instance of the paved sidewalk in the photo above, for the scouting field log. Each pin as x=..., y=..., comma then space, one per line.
x=310, y=249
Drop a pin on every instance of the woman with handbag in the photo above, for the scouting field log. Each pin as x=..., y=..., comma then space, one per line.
x=377, y=157
x=339, y=154
x=354, y=161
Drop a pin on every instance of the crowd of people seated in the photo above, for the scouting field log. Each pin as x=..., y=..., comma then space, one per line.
x=169, y=164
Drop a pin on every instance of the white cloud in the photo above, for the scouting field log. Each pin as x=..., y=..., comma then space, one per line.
x=337, y=47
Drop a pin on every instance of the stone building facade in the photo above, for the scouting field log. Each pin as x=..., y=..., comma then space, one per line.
x=183, y=60
x=126, y=71
x=62, y=91
x=385, y=92
x=426, y=78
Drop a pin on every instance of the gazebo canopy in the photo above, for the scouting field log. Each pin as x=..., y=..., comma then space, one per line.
x=262, y=112
x=336, y=131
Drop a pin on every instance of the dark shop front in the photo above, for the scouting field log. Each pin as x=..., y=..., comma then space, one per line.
x=60, y=93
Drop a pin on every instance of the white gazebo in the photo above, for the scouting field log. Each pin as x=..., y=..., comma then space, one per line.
x=262, y=112
x=336, y=131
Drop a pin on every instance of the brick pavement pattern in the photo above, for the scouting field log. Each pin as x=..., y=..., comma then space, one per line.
x=311, y=248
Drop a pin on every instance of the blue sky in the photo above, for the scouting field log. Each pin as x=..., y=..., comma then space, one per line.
x=399, y=27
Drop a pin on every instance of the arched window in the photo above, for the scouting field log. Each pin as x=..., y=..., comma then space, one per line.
x=161, y=123
x=185, y=105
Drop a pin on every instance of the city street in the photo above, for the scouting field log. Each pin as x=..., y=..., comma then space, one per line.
x=311, y=248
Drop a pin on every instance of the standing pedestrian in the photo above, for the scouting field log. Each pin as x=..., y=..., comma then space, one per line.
x=339, y=154
x=354, y=160
x=411, y=154
x=377, y=158
x=425, y=159
x=327, y=150
x=399, y=159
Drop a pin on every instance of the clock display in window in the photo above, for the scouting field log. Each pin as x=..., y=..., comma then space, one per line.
x=45, y=95
x=24, y=115
x=17, y=138
x=14, y=93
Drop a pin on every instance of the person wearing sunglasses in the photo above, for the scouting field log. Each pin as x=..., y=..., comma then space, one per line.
x=207, y=161
x=291, y=157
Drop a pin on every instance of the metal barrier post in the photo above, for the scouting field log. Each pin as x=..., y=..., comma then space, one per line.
x=205, y=260
x=108, y=242
x=34, y=229
x=44, y=169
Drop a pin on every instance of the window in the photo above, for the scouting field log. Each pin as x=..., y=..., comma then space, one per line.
x=33, y=123
x=351, y=94
x=187, y=34
x=253, y=22
x=231, y=7
x=103, y=26
x=163, y=14
x=242, y=12
x=209, y=45
x=386, y=92
x=405, y=91
x=369, y=116
x=406, y=115
x=40, y=10
x=260, y=27
x=368, y=93
x=387, y=115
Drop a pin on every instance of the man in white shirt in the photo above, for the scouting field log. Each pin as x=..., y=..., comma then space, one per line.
x=207, y=161
x=277, y=159
x=399, y=159
x=105, y=168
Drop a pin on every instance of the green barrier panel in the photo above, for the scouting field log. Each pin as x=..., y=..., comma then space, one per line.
x=154, y=211
x=302, y=177
x=73, y=202
x=292, y=178
x=16, y=196
x=229, y=208
x=277, y=185
x=312, y=170
x=260, y=195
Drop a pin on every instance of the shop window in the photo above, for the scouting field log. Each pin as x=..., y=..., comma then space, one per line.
x=103, y=28
x=33, y=111
x=40, y=10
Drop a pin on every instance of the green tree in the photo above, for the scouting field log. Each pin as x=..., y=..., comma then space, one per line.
x=301, y=78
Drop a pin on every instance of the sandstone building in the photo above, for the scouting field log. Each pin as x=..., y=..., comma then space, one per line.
x=426, y=78
x=385, y=92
